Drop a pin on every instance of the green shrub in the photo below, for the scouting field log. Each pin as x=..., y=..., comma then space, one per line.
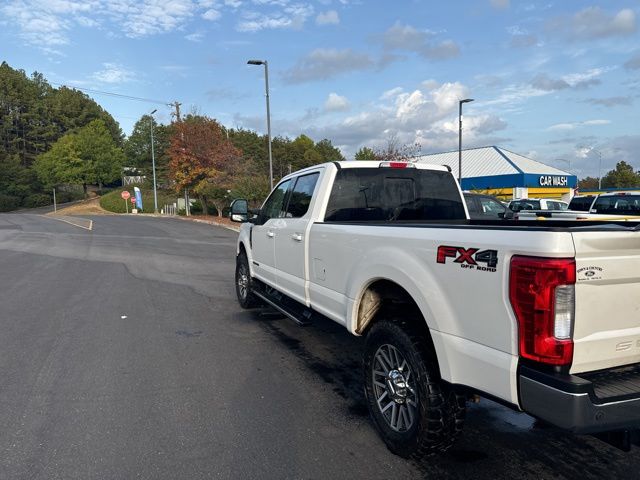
x=8, y=202
x=64, y=196
x=37, y=200
x=113, y=202
x=196, y=208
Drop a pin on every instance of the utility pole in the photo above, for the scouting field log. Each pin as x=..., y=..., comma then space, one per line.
x=153, y=162
x=176, y=105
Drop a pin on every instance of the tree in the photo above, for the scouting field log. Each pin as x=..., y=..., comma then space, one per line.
x=328, y=152
x=98, y=150
x=588, y=183
x=203, y=159
x=86, y=157
x=396, y=152
x=622, y=176
x=137, y=148
x=33, y=117
x=366, y=153
x=63, y=164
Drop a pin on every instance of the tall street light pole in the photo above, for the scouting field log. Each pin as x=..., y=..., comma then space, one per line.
x=266, y=85
x=599, y=168
x=153, y=164
x=460, y=102
x=594, y=149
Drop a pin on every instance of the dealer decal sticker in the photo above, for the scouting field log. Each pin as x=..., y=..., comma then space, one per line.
x=585, y=274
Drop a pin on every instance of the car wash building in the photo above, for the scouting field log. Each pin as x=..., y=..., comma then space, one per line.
x=506, y=175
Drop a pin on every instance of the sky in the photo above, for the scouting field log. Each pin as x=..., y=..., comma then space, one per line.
x=557, y=81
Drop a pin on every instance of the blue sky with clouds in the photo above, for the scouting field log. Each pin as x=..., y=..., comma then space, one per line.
x=551, y=80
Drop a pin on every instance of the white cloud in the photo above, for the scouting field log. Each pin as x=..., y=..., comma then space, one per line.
x=585, y=79
x=211, y=14
x=428, y=117
x=514, y=94
x=593, y=23
x=113, y=73
x=574, y=125
x=195, y=37
x=324, y=63
x=408, y=38
x=597, y=122
x=51, y=23
x=392, y=93
x=328, y=18
x=447, y=96
x=562, y=126
x=291, y=16
x=573, y=80
x=336, y=103
x=611, y=101
x=430, y=84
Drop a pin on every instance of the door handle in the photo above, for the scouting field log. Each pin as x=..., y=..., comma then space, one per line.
x=297, y=237
x=271, y=234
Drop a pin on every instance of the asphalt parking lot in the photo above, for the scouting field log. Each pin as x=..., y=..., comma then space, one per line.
x=124, y=354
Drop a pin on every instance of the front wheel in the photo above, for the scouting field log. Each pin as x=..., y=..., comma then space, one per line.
x=415, y=412
x=244, y=284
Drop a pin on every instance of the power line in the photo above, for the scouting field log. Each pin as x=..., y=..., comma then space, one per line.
x=117, y=95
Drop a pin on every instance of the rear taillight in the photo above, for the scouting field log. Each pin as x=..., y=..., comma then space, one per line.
x=542, y=294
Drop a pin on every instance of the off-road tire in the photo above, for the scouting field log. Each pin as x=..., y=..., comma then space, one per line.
x=244, y=283
x=440, y=411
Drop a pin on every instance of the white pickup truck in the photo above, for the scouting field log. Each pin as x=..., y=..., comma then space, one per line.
x=542, y=317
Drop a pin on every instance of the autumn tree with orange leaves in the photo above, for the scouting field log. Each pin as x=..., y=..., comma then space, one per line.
x=203, y=160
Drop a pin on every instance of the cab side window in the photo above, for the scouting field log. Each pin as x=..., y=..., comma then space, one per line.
x=274, y=206
x=301, y=194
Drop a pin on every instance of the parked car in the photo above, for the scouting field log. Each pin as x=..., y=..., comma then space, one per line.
x=540, y=316
x=537, y=204
x=617, y=203
x=581, y=203
x=482, y=206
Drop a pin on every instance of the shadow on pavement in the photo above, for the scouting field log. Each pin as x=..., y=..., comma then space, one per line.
x=497, y=442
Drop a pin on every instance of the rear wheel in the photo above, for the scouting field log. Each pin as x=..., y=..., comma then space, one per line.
x=244, y=284
x=416, y=413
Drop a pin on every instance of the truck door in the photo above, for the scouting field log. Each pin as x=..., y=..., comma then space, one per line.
x=291, y=245
x=263, y=234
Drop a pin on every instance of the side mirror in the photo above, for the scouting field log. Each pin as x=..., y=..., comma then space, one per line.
x=239, y=210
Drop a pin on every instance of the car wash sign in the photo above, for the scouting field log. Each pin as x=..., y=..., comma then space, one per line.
x=553, y=181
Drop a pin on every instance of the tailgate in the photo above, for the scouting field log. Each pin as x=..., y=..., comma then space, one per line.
x=607, y=316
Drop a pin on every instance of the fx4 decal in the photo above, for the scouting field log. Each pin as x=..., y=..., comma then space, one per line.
x=469, y=257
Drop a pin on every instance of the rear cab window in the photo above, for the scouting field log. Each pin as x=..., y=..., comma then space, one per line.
x=581, y=204
x=386, y=194
x=617, y=204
